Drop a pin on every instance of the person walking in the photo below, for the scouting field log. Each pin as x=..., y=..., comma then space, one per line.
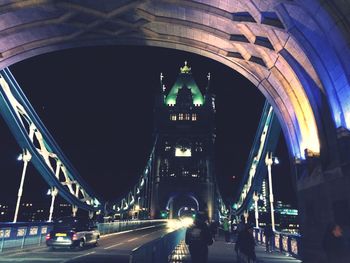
x=198, y=238
x=334, y=245
x=268, y=232
x=241, y=226
x=226, y=228
x=213, y=227
x=245, y=245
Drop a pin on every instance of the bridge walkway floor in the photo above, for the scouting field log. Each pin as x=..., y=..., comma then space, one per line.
x=222, y=252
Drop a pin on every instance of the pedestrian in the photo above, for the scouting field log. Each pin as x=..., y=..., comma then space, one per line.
x=226, y=228
x=269, y=234
x=334, y=244
x=238, y=244
x=245, y=245
x=213, y=227
x=198, y=238
x=242, y=225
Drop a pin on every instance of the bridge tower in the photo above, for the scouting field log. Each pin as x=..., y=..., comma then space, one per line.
x=183, y=174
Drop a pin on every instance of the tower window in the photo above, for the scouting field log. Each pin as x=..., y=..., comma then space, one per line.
x=167, y=148
x=185, y=173
x=173, y=117
x=181, y=116
x=194, y=116
x=187, y=116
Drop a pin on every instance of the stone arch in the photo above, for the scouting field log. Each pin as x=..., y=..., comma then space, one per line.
x=265, y=42
x=296, y=52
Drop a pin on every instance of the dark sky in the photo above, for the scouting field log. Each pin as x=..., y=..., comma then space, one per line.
x=97, y=103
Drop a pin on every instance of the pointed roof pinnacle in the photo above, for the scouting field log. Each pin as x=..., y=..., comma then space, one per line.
x=185, y=69
x=185, y=81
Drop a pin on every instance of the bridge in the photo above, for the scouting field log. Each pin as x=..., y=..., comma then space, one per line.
x=295, y=52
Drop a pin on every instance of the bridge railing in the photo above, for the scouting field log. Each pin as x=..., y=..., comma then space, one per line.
x=158, y=250
x=32, y=234
x=20, y=235
x=286, y=243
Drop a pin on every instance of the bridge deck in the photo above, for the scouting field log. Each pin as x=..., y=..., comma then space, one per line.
x=222, y=252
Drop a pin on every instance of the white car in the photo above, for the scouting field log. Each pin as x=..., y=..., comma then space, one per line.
x=73, y=232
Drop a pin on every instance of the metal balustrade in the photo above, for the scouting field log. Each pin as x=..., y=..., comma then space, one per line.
x=286, y=243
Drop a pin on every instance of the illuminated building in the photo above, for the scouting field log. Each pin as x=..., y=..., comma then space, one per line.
x=4, y=212
x=287, y=217
x=183, y=170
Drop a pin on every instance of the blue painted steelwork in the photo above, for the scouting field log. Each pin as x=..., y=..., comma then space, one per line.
x=265, y=141
x=31, y=134
x=140, y=190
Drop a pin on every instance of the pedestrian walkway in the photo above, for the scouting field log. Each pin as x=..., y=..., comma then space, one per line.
x=222, y=252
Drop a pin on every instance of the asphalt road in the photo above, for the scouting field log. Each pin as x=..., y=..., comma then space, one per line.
x=112, y=248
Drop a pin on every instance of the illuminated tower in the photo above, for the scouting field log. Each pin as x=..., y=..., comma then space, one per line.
x=183, y=171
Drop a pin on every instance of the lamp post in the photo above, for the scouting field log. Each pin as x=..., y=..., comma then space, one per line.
x=25, y=157
x=246, y=215
x=269, y=160
x=256, y=198
x=74, y=210
x=53, y=192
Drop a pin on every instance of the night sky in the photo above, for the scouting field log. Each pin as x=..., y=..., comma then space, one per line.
x=98, y=105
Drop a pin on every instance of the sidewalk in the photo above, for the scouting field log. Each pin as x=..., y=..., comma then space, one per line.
x=222, y=252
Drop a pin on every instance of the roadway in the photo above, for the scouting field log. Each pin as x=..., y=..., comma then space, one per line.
x=115, y=247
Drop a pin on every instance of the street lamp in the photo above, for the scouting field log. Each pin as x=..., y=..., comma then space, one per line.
x=246, y=215
x=269, y=160
x=53, y=193
x=256, y=199
x=25, y=157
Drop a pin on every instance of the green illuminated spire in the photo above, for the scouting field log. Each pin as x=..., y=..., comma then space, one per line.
x=185, y=69
x=185, y=80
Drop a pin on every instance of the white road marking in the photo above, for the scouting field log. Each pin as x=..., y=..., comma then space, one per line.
x=36, y=259
x=23, y=252
x=115, y=245
x=132, y=239
x=84, y=255
x=128, y=231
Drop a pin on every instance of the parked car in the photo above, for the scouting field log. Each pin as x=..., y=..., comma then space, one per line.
x=73, y=232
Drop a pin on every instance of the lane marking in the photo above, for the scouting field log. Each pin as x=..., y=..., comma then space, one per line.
x=34, y=250
x=36, y=259
x=115, y=245
x=128, y=231
x=84, y=255
x=148, y=241
x=132, y=239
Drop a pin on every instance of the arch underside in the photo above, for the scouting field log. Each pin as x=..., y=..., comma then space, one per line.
x=282, y=47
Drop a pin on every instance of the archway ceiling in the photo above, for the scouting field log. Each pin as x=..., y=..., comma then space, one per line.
x=252, y=37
